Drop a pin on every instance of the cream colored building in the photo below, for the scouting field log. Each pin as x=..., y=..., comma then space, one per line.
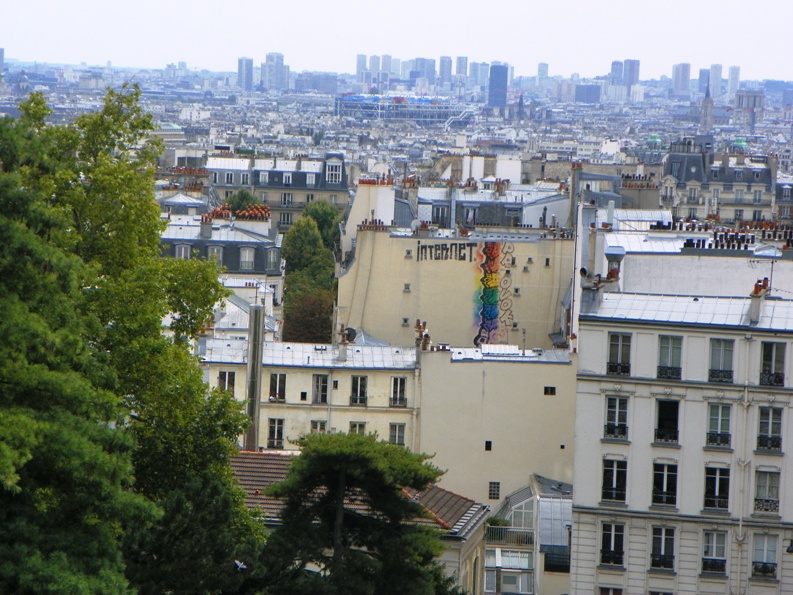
x=503, y=286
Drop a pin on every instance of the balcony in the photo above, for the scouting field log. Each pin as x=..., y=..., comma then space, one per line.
x=612, y=557
x=764, y=570
x=719, y=502
x=772, y=378
x=398, y=402
x=613, y=494
x=615, y=369
x=772, y=443
x=715, y=565
x=618, y=431
x=766, y=505
x=664, y=498
x=722, y=376
x=662, y=561
x=722, y=439
x=670, y=436
x=509, y=535
x=358, y=400
x=669, y=373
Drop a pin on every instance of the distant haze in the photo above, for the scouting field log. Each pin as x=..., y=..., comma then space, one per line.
x=579, y=36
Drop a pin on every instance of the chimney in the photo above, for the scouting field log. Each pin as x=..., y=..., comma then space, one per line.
x=342, y=345
x=206, y=227
x=255, y=350
x=756, y=299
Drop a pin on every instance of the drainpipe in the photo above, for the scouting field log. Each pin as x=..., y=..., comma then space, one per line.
x=742, y=464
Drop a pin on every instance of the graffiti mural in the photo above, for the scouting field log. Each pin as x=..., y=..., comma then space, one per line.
x=495, y=297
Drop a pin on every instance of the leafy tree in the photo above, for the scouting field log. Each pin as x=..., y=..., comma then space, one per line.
x=329, y=486
x=327, y=217
x=303, y=246
x=239, y=201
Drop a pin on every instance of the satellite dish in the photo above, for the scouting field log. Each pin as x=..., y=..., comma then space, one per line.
x=415, y=225
x=350, y=333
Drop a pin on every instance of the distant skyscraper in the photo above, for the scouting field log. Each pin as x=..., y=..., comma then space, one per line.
x=385, y=63
x=497, y=86
x=616, y=72
x=542, y=71
x=630, y=73
x=245, y=73
x=473, y=73
x=396, y=65
x=681, y=79
x=462, y=65
x=374, y=64
x=2, y=62
x=274, y=74
x=734, y=80
x=445, y=73
x=715, y=81
x=360, y=67
x=704, y=80
x=484, y=73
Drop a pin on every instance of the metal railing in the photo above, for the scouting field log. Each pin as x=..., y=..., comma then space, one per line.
x=718, y=439
x=772, y=378
x=612, y=557
x=714, y=565
x=509, y=535
x=616, y=369
x=664, y=498
x=723, y=376
x=669, y=373
x=766, y=505
x=358, y=400
x=662, y=561
x=613, y=494
x=720, y=502
x=764, y=569
x=615, y=431
x=398, y=402
x=765, y=442
x=666, y=435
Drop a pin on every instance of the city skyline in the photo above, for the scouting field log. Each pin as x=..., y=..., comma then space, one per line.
x=585, y=43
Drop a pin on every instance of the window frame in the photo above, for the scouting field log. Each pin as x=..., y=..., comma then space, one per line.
x=670, y=357
x=398, y=397
x=358, y=390
x=333, y=173
x=247, y=258
x=275, y=433
x=277, y=388
x=721, y=360
x=665, y=483
x=714, y=551
x=614, y=480
x=662, y=548
x=619, y=354
x=183, y=251
x=616, y=410
x=226, y=380
x=715, y=435
x=319, y=389
x=717, y=488
x=613, y=536
x=396, y=433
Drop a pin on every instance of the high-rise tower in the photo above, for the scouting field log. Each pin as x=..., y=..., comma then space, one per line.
x=681, y=79
x=630, y=73
x=245, y=73
x=734, y=80
x=616, y=73
x=715, y=81
x=445, y=73
x=462, y=66
x=497, y=86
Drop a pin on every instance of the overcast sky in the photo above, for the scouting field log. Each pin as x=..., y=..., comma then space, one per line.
x=581, y=36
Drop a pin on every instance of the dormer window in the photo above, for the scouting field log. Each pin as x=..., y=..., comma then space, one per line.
x=333, y=173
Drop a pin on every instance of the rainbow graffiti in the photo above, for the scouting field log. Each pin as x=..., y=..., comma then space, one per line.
x=495, y=299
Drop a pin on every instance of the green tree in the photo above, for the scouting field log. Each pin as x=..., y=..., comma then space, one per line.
x=303, y=247
x=65, y=465
x=327, y=218
x=329, y=486
x=239, y=201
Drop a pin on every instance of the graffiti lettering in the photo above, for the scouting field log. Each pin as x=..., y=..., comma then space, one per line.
x=462, y=251
x=495, y=313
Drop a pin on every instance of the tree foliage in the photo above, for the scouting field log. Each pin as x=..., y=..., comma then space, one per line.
x=346, y=513
x=327, y=218
x=239, y=201
x=111, y=444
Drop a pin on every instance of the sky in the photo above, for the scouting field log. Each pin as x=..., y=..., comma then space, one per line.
x=574, y=36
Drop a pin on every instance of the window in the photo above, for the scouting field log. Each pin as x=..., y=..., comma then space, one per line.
x=720, y=360
x=275, y=433
x=273, y=259
x=669, y=350
x=609, y=591
x=333, y=173
x=739, y=214
x=739, y=196
x=396, y=434
x=619, y=362
x=246, y=259
x=614, y=480
x=287, y=179
x=516, y=582
x=214, y=177
x=766, y=497
x=398, y=385
x=319, y=392
x=769, y=434
x=757, y=215
x=692, y=213
x=664, y=484
x=357, y=427
x=612, y=538
x=718, y=425
x=549, y=390
x=717, y=487
x=286, y=199
x=786, y=193
x=333, y=199
x=285, y=218
x=439, y=214
x=714, y=552
x=494, y=490
x=358, y=395
x=616, y=417
x=309, y=198
x=264, y=177
x=522, y=515
x=738, y=174
x=183, y=252
x=772, y=372
x=277, y=388
x=757, y=197
x=714, y=193
x=668, y=413
x=229, y=177
x=215, y=253
x=311, y=179
x=318, y=426
x=764, y=556
x=245, y=179
x=406, y=289
x=226, y=380
x=663, y=549
x=692, y=195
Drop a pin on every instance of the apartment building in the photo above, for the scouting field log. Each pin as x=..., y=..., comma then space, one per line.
x=682, y=422
x=284, y=185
